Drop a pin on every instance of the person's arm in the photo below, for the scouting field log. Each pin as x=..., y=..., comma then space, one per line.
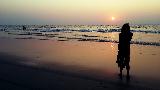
x=131, y=36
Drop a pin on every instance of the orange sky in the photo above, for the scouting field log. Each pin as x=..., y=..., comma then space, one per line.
x=79, y=11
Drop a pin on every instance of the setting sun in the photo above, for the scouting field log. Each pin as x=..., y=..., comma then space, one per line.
x=113, y=18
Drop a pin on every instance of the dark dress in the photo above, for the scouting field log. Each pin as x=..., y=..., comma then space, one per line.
x=123, y=57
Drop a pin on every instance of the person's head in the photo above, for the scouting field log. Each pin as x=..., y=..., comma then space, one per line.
x=125, y=28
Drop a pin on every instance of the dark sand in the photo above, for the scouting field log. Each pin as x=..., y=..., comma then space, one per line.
x=23, y=77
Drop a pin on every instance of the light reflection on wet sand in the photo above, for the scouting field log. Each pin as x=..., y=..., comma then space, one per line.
x=95, y=55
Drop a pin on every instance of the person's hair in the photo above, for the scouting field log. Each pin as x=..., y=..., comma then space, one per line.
x=125, y=28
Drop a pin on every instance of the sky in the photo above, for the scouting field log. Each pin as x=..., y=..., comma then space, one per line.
x=71, y=12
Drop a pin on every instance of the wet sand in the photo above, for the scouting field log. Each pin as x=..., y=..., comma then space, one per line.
x=23, y=77
x=49, y=64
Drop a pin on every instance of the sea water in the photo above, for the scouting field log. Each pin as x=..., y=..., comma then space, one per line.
x=143, y=34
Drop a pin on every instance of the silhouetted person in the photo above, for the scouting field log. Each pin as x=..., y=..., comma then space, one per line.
x=123, y=57
x=24, y=28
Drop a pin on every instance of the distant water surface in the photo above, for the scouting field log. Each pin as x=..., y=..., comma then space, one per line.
x=143, y=34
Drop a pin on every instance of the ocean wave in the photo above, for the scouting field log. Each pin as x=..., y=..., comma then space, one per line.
x=61, y=32
x=155, y=29
x=132, y=42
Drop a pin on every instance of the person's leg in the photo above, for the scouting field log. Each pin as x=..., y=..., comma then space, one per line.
x=121, y=65
x=121, y=69
x=127, y=67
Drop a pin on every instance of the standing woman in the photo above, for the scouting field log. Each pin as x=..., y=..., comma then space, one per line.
x=123, y=57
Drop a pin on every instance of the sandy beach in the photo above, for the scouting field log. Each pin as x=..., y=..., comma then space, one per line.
x=50, y=64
